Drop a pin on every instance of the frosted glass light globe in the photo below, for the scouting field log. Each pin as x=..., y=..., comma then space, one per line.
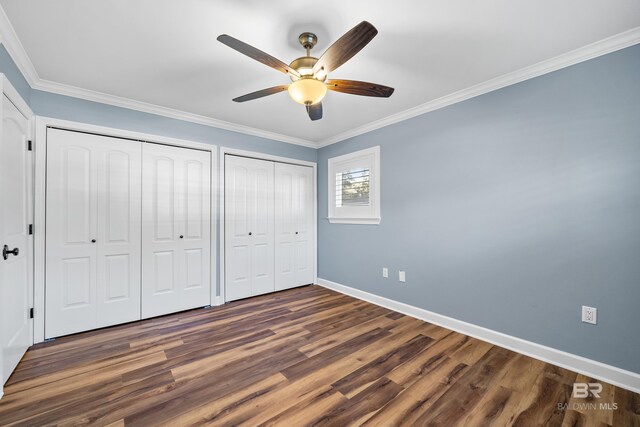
x=307, y=91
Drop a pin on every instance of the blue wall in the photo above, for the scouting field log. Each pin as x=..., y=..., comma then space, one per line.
x=511, y=210
x=9, y=69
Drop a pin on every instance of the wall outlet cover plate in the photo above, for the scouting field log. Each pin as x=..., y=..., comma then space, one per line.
x=589, y=314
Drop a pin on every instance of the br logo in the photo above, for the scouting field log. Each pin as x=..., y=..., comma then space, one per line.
x=584, y=390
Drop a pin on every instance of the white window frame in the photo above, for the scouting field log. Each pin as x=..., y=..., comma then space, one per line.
x=368, y=158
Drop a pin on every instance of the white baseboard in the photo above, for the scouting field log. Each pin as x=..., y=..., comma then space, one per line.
x=591, y=368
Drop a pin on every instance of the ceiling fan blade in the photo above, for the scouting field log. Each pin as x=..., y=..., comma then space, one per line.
x=257, y=54
x=345, y=47
x=354, y=87
x=261, y=93
x=315, y=111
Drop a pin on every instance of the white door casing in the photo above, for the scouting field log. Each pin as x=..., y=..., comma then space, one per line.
x=93, y=232
x=16, y=271
x=293, y=225
x=249, y=227
x=176, y=235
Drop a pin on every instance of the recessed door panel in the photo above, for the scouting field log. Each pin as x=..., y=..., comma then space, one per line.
x=118, y=197
x=194, y=268
x=238, y=194
x=286, y=260
x=262, y=189
x=118, y=269
x=240, y=261
x=163, y=277
x=193, y=200
x=163, y=199
x=77, y=283
x=77, y=195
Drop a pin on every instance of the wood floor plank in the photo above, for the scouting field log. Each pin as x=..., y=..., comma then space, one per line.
x=366, y=402
x=379, y=367
x=306, y=356
x=416, y=400
x=463, y=396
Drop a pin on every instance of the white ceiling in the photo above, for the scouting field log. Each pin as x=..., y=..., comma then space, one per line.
x=165, y=52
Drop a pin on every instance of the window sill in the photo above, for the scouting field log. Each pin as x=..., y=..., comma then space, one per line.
x=369, y=221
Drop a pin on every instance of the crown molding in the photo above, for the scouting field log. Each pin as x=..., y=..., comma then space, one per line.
x=117, y=101
x=9, y=39
x=599, y=48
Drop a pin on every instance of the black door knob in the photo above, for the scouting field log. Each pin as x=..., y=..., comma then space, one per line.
x=6, y=252
x=249, y=233
x=296, y=232
x=93, y=240
x=181, y=236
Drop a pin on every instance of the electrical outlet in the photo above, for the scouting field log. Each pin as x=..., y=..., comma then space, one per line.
x=401, y=276
x=589, y=314
x=385, y=272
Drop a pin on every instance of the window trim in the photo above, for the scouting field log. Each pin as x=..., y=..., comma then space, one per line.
x=370, y=158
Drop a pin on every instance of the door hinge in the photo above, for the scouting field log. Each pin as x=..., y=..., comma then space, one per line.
x=30, y=228
x=29, y=146
x=31, y=313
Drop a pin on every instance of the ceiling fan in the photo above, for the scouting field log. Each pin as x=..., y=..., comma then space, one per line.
x=309, y=74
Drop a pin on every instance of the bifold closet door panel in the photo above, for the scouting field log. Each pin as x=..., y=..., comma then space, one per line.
x=304, y=229
x=249, y=228
x=92, y=232
x=176, y=235
x=293, y=225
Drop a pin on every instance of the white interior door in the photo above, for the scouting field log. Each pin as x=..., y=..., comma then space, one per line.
x=176, y=261
x=16, y=263
x=293, y=225
x=93, y=232
x=249, y=227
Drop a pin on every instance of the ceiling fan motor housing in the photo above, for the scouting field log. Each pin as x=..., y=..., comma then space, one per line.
x=304, y=66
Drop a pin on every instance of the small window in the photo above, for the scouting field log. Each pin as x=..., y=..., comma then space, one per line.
x=354, y=187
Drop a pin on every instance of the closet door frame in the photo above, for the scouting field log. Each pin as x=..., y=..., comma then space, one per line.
x=261, y=156
x=40, y=151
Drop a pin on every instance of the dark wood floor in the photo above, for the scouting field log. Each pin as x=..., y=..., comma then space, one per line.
x=301, y=357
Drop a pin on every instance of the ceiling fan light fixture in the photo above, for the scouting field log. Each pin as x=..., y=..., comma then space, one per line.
x=307, y=91
x=309, y=73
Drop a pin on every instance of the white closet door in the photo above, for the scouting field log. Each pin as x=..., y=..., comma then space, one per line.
x=119, y=232
x=285, y=226
x=16, y=266
x=176, y=236
x=293, y=225
x=304, y=229
x=249, y=228
x=93, y=232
